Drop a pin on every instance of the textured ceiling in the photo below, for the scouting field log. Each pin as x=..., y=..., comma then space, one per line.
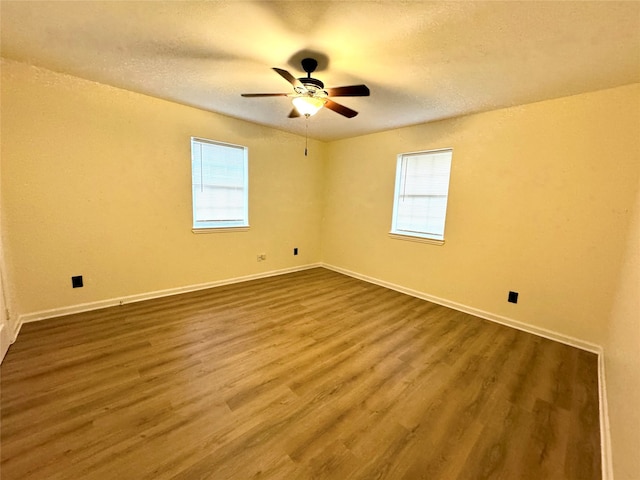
x=422, y=61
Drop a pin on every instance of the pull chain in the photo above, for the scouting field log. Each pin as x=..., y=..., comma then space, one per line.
x=306, y=133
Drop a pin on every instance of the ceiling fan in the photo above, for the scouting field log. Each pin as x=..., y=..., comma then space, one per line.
x=309, y=94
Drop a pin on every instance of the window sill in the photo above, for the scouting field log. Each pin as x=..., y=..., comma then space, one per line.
x=412, y=238
x=220, y=230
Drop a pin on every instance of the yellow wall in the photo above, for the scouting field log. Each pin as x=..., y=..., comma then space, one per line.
x=96, y=181
x=622, y=356
x=539, y=203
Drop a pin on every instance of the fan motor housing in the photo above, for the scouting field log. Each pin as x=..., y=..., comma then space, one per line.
x=307, y=81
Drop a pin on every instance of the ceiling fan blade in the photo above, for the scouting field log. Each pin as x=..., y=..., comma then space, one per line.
x=294, y=113
x=341, y=109
x=264, y=94
x=289, y=78
x=349, y=91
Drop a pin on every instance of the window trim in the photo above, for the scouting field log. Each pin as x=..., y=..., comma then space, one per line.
x=242, y=225
x=414, y=238
x=200, y=230
x=421, y=237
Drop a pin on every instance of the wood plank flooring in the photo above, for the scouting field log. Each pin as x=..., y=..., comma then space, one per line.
x=309, y=375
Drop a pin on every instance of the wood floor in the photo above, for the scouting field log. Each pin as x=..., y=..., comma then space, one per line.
x=310, y=375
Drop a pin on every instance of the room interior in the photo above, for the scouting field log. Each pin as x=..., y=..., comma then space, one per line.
x=540, y=102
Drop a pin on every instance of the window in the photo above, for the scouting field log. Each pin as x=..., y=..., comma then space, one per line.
x=420, y=202
x=219, y=174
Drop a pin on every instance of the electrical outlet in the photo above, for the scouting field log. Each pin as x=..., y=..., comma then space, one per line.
x=76, y=282
x=513, y=297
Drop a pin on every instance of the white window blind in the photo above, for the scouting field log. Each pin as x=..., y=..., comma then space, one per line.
x=220, y=184
x=422, y=188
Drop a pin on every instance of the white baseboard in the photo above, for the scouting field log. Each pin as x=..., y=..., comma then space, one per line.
x=86, y=307
x=605, y=432
x=5, y=341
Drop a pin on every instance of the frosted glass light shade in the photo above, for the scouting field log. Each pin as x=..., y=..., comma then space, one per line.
x=308, y=105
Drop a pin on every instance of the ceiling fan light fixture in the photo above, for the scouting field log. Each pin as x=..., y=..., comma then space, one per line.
x=307, y=105
x=309, y=95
